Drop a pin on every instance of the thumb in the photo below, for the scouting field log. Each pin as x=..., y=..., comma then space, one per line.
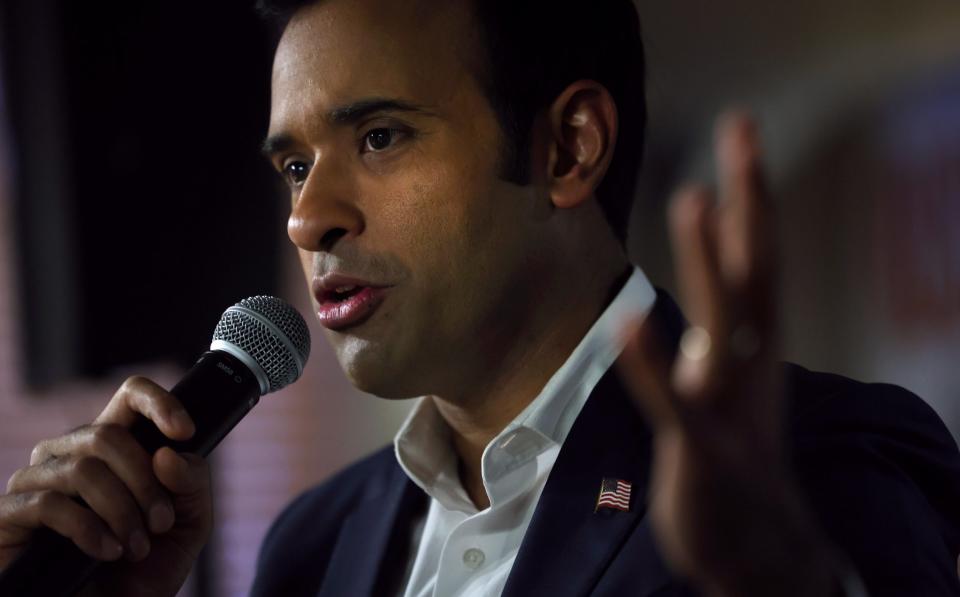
x=182, y=474
x=187, y=478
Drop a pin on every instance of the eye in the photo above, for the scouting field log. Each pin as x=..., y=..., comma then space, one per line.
x=295, y=173
x=380, y=139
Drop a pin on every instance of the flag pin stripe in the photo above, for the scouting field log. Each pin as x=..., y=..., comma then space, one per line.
x=614, y=494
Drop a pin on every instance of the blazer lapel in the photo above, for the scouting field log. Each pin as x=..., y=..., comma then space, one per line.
x=568, y=545
x=377, y=526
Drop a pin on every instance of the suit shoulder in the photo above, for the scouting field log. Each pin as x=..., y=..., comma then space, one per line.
x=830, y=404
x=299, y=542
x=875, y=461
x=360, y=480
x=329, y=500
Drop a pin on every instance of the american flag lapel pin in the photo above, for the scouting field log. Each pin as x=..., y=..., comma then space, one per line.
x=614, y=494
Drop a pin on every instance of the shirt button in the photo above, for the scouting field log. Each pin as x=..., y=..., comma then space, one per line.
x=473, y=558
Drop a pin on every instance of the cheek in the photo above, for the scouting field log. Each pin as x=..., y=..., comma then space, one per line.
x=426, y=215
x=306, y=261
x=306, y=264
x=451, y=221
x=472, y=253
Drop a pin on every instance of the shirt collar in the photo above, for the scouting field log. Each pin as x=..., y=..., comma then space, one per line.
x=423, y=446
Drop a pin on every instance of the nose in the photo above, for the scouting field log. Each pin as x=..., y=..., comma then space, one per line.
x=325, y=212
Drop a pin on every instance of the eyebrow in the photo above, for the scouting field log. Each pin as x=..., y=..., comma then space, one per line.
x=347, y=114
x=356, y=111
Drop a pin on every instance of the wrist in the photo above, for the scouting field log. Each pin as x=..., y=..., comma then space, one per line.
x=803, y=577
x=780, y=552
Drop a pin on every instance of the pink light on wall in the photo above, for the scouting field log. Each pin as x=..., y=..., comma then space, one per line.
x=917, y=234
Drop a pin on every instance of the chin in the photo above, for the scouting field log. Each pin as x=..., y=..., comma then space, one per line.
x=384, y=365
x=375, y=375
x=380, y=385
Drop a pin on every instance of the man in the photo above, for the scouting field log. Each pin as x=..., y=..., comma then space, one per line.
x=466, y=245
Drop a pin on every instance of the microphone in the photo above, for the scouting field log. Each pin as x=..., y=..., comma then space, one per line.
x=260, y=345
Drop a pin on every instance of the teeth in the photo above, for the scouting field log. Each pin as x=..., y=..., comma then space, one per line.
x=343, y=289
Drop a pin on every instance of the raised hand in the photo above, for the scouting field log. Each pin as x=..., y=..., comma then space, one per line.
x=723, y=503
x=148, y=515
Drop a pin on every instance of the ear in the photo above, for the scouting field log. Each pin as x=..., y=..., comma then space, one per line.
x=583, y=133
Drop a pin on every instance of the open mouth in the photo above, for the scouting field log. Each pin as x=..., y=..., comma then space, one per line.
x=349, y=305
x=342, y=293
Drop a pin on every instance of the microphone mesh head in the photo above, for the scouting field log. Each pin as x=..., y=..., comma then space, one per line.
x=272, y=333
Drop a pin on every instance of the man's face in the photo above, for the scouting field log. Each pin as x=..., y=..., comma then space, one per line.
x=392, y=153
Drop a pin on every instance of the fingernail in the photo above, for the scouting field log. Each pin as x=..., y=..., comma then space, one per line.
x=110, y=548
x=182, y=420
x=139, y=545
x=161, y=517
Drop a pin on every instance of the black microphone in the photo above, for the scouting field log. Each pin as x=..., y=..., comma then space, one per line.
x=260, y=345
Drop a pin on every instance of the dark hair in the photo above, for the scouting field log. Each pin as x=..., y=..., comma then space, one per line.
x=535, y=49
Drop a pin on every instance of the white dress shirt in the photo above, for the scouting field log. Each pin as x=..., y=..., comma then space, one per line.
x=463, y=551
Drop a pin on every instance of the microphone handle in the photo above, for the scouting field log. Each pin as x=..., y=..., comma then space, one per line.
x=217, y=392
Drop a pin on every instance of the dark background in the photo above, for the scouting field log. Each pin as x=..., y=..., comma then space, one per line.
x=140, y=195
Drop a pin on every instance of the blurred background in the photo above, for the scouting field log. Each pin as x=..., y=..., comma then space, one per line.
x=134, y=208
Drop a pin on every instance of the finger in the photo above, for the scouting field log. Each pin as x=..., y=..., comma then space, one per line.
x=187, y=478
x=181, y=474
x=104, y=493
x=695, y=376
x=746, y=242
x=140, y=396
x=125, y=458
x=693, y=233
x=644, y=368
x=25, y=512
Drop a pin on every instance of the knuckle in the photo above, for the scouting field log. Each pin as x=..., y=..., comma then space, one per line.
x=145, y=392
x=87, y=467
x=108, y=435
x=38, y=451
x=14, y=481
x=133, y=384
x=142, y=387
x=43, y=501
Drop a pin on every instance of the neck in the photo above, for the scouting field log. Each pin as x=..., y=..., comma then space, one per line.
x=552, y=332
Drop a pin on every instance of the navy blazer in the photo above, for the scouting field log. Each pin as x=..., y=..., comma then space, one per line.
x=875, y=463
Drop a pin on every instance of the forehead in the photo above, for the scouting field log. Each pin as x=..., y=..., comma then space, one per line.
x=338, y=51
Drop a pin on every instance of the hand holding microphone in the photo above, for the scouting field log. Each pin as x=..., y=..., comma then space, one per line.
x=132, y=488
